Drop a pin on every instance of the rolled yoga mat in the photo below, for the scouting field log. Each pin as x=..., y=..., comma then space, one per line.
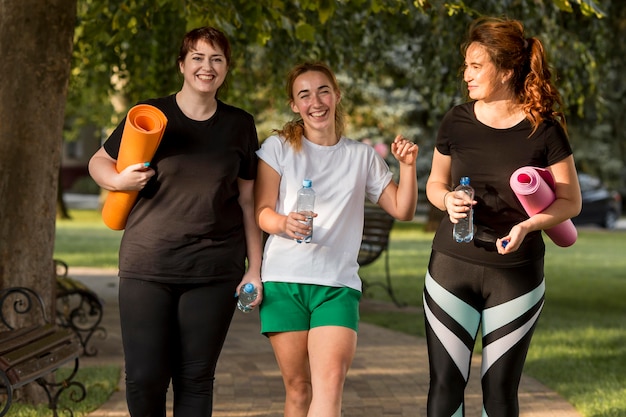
x=142, y=134
x=534, y=188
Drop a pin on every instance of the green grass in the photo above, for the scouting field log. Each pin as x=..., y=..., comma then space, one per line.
x=99, y=383
x=583, y=328
x=85, y=240
x=579, y=347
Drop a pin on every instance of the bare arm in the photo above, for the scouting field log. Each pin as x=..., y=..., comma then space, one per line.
x=567, y=204
x=253, y=238
x=439, y=182
x=439, y=189
x=266, y=196
x=102, y=170
x=400, y=200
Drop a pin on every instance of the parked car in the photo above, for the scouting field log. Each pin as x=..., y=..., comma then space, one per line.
x=601, y=206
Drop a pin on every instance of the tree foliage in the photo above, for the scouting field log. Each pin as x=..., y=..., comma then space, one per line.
x=398, y=60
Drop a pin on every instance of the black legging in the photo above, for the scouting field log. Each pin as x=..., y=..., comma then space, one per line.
x=506, y=303
x=173, y=332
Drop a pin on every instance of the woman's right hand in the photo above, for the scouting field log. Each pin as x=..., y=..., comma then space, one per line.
x=134, y=177
x=102, y=168
x=457, y=205
x=295, y=225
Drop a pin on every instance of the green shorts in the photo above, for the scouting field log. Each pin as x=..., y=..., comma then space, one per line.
x=289, y=307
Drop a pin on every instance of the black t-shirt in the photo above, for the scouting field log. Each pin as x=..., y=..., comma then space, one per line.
x=489, y=156
x=187, y=225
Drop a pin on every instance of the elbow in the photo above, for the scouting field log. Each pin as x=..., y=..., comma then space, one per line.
x=92, y=167
x=261, y=218
x=575, y=205
x=406, y=216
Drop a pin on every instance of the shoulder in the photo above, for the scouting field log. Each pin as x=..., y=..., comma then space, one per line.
x=355, y=143
x=457, y=120
x=163, y=103
x=464, y=110
x=459, y=116
x=234, y=112
x=274, y=141
x=358, y=146
x=551, y=129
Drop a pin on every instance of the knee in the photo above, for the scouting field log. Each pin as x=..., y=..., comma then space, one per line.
x=197, y=379
x=299, y=391
x=331, y=379
x=148, y=381
x=451, y=388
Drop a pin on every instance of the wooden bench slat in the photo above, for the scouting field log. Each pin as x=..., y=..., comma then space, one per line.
x=30, y=352
x=38, y=346
x=11, y=340
x=56, y=357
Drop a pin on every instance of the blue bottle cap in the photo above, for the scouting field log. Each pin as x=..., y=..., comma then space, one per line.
x=248, y=288
x=306, y=183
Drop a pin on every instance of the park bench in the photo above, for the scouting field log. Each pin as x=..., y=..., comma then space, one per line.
x=377, y=226
x=32, y=348
x=78, y=308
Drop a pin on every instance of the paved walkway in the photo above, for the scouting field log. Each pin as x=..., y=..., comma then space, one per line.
x=389, y=376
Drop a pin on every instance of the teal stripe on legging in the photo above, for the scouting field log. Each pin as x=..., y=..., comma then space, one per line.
x=458, y=309
x=495, y=350
x=498, y=316
x=459, y=353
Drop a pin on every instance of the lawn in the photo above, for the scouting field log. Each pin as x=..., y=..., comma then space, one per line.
x=579, y=347
x=99, y=382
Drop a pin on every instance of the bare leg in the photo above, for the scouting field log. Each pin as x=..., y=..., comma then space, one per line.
x=290, y=349
x=331, y=351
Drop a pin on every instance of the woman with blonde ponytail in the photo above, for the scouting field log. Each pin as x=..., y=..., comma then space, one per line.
x=495, y=282
x=310, y=308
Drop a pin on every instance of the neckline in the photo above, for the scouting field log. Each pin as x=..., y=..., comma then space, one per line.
x=475, y=118
x=182, y=113
x=314, y=145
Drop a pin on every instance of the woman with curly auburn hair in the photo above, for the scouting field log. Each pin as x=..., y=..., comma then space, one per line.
x=495, y=282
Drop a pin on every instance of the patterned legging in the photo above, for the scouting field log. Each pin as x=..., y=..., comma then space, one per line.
x=506, y=303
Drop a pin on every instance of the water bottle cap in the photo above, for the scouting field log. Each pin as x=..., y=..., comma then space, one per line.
x=465, y=180
x=306, y=183
x=248, y=288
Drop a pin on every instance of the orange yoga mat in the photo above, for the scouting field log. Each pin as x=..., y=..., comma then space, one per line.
x=142, y=134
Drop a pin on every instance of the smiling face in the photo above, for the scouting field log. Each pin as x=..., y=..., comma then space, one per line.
x=484, y=81
x=315, y=99
x=204, y=68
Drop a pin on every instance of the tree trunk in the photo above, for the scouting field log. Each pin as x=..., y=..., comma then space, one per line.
x=62, y=210
x=36, y=47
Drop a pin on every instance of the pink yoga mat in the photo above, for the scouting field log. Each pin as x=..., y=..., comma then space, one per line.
x=534, y=188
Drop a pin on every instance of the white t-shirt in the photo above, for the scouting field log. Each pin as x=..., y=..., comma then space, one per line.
x=342, y=176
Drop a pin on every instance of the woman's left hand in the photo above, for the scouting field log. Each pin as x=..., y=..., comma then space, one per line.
x=511, y=242
x=404, y=150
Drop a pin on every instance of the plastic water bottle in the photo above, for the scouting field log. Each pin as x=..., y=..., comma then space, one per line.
x=464, y=229
x=247, y=295
x=304, y=205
